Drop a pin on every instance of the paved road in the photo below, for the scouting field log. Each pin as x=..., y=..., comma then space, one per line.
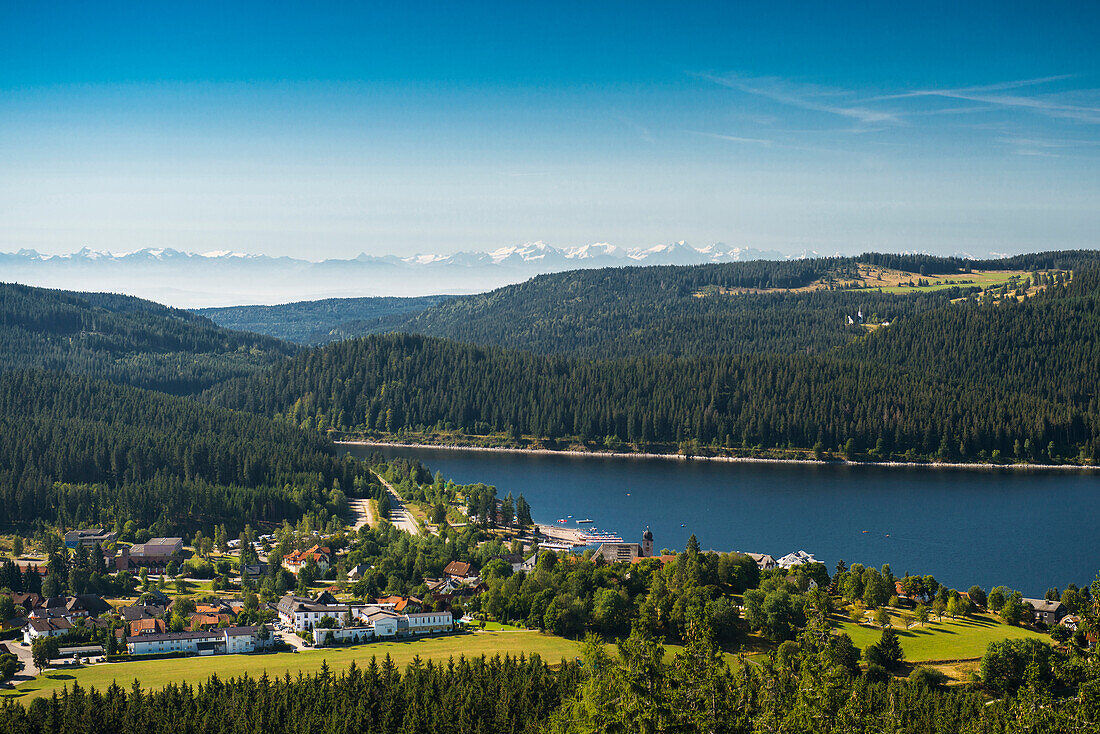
x=399, y=515
x=24, y=654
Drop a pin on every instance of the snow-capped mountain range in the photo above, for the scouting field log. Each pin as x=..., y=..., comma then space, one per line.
x=224, y=278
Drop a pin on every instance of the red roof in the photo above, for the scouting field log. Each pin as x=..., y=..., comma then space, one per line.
x=663, y=559
x=146, y=627
x=461, y=569
x=317, y=553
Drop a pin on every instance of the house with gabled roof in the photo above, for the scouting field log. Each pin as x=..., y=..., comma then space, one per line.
x=45, y=627
x=1046, y=611
x=322, y=556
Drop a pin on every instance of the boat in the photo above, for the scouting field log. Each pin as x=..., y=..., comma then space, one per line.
x=561, y=519
x=583, y=521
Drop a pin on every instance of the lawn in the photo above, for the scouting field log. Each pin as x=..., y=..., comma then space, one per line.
x=158, y=673
x=956, y=639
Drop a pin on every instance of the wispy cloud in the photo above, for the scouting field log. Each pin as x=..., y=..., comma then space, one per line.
x=805, y=96
x=734, y=138
x=1051, y=105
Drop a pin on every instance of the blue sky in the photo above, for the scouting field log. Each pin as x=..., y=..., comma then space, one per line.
x=325, y=130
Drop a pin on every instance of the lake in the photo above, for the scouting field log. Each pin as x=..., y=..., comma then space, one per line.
x=1025, y=530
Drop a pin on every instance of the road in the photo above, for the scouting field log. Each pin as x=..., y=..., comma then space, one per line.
x=399, y=515
x=24, y=654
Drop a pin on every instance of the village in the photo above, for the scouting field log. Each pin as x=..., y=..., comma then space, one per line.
x=324, y=585
x=148, y=626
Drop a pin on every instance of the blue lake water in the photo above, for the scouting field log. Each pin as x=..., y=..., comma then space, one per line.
x=1025, y=530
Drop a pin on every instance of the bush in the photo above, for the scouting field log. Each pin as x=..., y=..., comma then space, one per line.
x=928, y=677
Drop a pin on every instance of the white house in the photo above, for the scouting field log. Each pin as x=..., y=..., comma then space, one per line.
x=51, y=627
x=209, y=642
x=302, y=614
x=297, y=560
x=798, y=558
x=383, y=622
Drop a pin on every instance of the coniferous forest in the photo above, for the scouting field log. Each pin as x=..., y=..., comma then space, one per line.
x=978, y=379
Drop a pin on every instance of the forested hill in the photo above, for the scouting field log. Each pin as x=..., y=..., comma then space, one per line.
x=732, y=308
x=76, y=452
x=125, y=339
x=621, y=313
x=319, y=322
x=870, y=398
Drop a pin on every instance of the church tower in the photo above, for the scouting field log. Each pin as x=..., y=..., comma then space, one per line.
x=647, y=543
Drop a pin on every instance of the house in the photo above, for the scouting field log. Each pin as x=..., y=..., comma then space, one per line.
x=70, y=607
x=300, y=613
x=764, y=561
x=355, y=573
x=217, y=606
x=147, y=626
x=1071, y=622
x=39, y=567
x=664, y=559
x=155, y=554
x=141, y=611
x=27, y=601
x=204, y=620
x=383, y=622
x=227, y=640
x=1046, y=611
x=87, y=605
x=36, y=628
x=294, y=562
x=798, y=558
x=401, y=604
x=457, y=570
x=253, y=571
x=527, y=564
x=89, y=538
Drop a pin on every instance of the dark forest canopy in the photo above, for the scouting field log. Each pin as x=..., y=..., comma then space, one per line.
x=1013, y=378
x=125, y=339
x=76, y=451
x=728, y=308
x=319, y=322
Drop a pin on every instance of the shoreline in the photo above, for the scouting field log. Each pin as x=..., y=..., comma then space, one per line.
x=731, y=459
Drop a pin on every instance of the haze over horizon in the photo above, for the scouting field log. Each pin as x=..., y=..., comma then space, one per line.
x=275, y=130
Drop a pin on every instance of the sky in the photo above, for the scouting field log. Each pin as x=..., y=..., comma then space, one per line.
x=324, y=129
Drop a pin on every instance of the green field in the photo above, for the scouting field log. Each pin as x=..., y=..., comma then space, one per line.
x=988, y=279
x=957, y=639
x=159, y=673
